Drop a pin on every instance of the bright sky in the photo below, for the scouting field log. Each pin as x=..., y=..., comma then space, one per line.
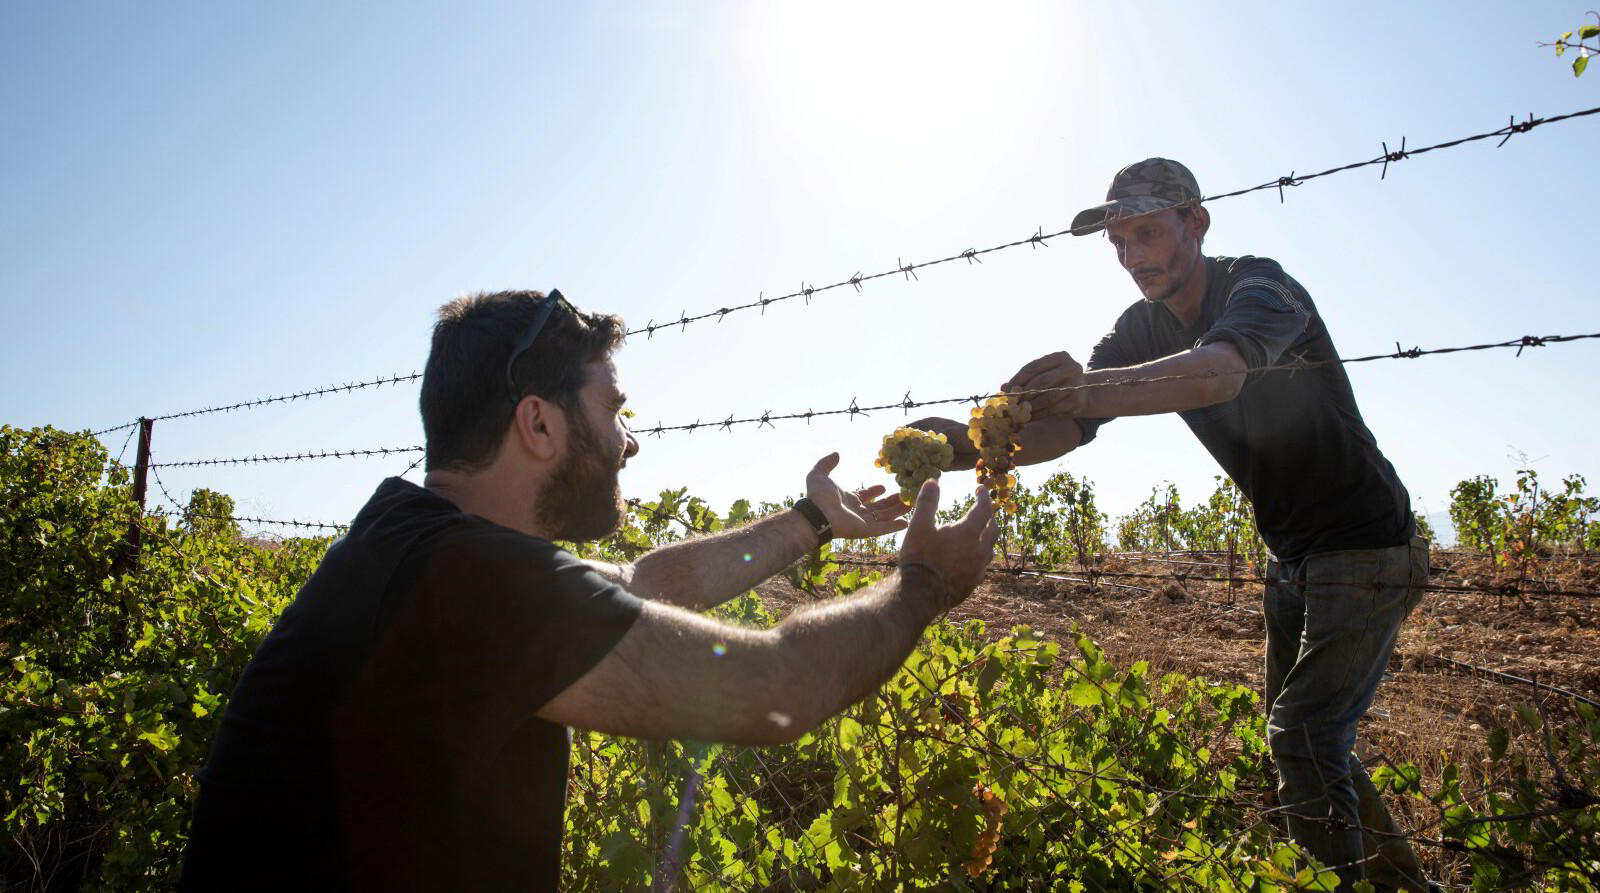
x=205, y=203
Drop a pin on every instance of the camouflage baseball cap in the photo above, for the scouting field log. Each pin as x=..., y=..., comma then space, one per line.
x=1153, y=184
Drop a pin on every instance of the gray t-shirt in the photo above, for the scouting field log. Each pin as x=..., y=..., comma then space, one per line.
x=1294, y=442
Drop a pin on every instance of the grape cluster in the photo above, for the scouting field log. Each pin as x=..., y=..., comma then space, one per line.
x=913, y=456
x=993, y=430
x=989, y=838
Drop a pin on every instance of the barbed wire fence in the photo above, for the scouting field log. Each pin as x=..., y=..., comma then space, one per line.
x=1065, y=781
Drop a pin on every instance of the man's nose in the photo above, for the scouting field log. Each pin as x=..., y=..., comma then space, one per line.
x=632, y=447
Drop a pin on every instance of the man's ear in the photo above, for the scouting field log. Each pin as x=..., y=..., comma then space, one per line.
x=1199, y=221
x=539, y=427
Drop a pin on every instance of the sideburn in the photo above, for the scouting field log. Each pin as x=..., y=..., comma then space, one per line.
x=580, y=501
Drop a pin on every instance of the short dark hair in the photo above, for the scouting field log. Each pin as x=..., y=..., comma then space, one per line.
x=466, y=402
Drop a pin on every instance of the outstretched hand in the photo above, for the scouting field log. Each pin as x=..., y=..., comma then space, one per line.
x=856, y=514
x=957, y=552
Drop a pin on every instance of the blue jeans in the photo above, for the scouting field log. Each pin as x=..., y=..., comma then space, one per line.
x=1332, y=621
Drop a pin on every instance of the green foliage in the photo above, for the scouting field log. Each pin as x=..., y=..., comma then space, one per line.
x=112, y=680
x=1225, y=523
x=1474, y=513
x=210, y=513
x=1526, y=521
x=1424, y=529
x=1014, y=764
x=1058, y=523
x=1585, y=33
x=898, y=792
x=1155, y=525
x=1533, y=818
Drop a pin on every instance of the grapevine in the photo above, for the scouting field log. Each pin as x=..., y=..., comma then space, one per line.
x=913, y=456
x=993, y=430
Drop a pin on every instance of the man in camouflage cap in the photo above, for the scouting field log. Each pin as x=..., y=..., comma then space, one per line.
x=1143, y=187
x=1346, y=565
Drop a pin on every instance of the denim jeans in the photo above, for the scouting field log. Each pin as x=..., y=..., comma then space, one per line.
x=1332, y=621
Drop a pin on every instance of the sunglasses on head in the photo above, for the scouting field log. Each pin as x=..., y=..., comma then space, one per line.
x=546, y=307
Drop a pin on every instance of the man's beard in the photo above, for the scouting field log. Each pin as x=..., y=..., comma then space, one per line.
x=582, y=500
x=1174, y=283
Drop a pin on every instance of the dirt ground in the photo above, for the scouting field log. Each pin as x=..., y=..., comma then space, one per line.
x=1426, y=707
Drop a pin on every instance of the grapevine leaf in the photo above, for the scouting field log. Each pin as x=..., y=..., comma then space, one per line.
x=1084, y=694
x=1499, y=739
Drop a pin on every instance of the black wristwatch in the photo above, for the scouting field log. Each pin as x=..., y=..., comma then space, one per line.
x=814, y=516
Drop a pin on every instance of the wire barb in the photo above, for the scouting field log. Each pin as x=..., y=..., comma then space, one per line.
x=1515, y=128
x=1388, y=156
x=1286, y=181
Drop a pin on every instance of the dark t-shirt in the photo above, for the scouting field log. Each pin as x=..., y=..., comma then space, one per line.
x=1294, y=442
x=383, y=736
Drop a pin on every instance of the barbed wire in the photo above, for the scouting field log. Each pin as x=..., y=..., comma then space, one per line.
x=1040, y=237
x=284, y=398
x=132, y=424
x=1165, y=556
x=1518, y=589
x=907, y=404
x=302, y=395
x=1507, y=590
x=125, y=441
x=971, y=255
x=1521, y=589
x=179, y=511
x=292, y=457
x=162, y=486
x=245, y=519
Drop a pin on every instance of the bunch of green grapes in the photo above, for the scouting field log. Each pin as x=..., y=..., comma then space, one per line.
x=993, y=430
x=988, y=841
x=913, y=456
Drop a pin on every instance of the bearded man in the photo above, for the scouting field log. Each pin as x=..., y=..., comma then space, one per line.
x=1346, y=566
x=405, y=725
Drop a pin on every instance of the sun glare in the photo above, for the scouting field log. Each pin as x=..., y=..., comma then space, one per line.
x=917, y=88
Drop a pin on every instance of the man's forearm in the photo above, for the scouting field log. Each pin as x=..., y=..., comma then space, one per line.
x=686, y=676
x=840, y=651
x=706, y=571
x=1214, y=374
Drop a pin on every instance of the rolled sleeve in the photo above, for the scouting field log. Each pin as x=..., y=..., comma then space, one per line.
x=1263, y=318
